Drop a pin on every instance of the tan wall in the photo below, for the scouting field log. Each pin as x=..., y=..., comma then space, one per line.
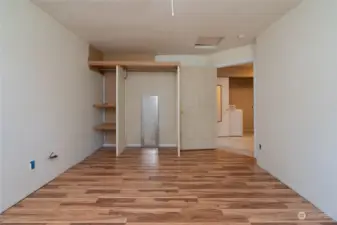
x=241, y=94
x=94, y=54
x=110, y=97
x=159, y=84
x=244, y=70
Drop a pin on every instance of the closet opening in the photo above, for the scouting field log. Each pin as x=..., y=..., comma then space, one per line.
x=145, y=103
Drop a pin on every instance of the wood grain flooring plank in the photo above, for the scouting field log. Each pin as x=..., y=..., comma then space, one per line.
x=149, y=187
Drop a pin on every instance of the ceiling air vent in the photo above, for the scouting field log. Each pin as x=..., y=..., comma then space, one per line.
x=208, y=42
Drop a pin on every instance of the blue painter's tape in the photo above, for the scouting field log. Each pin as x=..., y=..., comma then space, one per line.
x=32, y=165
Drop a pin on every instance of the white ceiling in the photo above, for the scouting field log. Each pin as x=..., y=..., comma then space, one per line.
x=147, y=26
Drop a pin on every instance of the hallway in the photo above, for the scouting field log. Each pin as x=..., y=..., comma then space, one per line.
x=144, y=187
x=238, y=145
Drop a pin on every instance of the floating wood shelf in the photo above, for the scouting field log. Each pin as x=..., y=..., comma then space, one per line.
x=133, y=66
x=106, y=127
x=104, y=106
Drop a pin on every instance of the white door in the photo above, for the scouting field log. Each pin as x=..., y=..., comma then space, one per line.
x=198, y=108
x=224, y=125
x=120, y=110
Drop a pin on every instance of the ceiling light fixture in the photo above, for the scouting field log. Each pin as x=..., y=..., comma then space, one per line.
x=172, y=7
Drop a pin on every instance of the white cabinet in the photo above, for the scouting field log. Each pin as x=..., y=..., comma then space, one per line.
x=235, y=124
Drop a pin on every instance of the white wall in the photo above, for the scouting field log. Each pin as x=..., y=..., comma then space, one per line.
x=223, y=58
x=198, y=80
x=161, y=84
x=233, y=56
x=198, y=107
x=128, y=57
x=1, y=148
x=47, y=94
x=185, y=60
x=296, y=103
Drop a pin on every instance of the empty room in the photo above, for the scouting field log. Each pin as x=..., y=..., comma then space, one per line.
x=168, y=112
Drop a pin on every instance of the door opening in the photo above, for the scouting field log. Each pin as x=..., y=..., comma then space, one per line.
x=236, y=109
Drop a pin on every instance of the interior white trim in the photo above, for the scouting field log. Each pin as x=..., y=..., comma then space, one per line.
x=108, y=145
x=161, y=145
x=178, y=112
x=167, y=145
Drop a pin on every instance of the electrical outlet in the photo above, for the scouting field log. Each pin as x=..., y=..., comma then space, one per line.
x=32, y=165
x=260, y=146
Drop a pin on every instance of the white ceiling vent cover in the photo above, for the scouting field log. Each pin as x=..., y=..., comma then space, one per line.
x=208, y=42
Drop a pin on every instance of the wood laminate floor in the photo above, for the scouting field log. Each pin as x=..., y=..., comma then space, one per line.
x=143, y=187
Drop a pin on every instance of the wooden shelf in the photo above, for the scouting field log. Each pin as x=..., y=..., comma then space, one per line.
x=106, y=127
x=133, y=66
x=105, y=106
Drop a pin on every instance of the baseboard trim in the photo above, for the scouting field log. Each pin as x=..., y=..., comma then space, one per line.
x=133, y=145
x=160, y=146
x=168, y=145
x=108, y=145
x=199, y=149
x=139, y=145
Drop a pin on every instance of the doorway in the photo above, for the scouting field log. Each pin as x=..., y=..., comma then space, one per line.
x=241, y=96
x=235, y=100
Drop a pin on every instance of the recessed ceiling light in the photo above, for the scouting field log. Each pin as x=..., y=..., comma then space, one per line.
x=241, y=36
